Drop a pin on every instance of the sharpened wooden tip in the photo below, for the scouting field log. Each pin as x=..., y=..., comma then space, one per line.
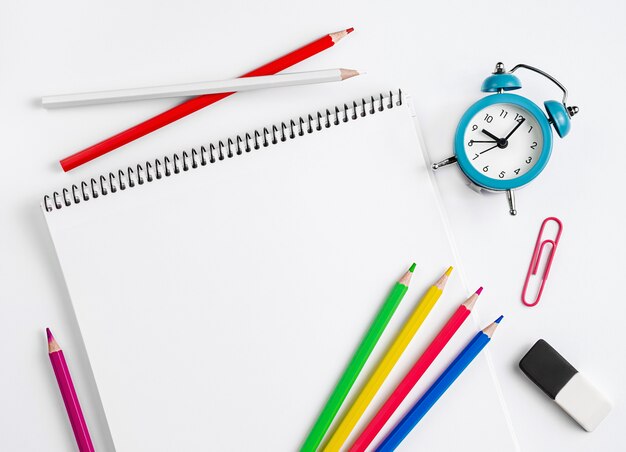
x=53, y=346
x=492, y=328
x=471, y=301
x=441, y=283
x=348, y=73
x=406, y=278
x=336, y=36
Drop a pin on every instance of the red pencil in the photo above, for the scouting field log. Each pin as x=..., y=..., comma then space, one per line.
x=64, y=379
x=416, y=372
x=197, y=103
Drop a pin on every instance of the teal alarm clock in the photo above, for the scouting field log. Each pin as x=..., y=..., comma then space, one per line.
x=504, y=140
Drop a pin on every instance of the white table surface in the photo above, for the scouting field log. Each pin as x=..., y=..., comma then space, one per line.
x=439, y=52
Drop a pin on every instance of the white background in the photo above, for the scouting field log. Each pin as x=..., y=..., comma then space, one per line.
x=439, y=52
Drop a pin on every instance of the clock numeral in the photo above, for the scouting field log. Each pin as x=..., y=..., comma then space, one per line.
x=486, y=168
x=470, y=143
x=503, y=113
x=501, y=175
x=529, y=159
x=475, y=156
x=517, y=170
x=531, y=128
x=534, y=145
x=474, y=127
x=518, y=117
x=488, y=117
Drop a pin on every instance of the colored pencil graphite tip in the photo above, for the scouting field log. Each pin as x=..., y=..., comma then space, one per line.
x=489, y=330
x=53, y=346
x=336, y=36
x=348, y=73
x=406, y=278
x=441, y=283
x=471, y=301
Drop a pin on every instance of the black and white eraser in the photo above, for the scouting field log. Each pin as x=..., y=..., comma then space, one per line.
x=565, y=385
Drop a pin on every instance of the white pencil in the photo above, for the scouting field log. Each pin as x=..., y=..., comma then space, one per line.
x=199, y=88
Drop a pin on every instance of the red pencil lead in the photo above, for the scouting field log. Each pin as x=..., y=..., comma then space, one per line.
x=49, y=334
x=350, y=30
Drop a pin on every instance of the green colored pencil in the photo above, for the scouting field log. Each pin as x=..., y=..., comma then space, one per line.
x=356, y=364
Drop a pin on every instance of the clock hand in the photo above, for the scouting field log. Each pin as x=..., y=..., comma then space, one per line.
x=495, y=146
x=491, y=135
x=514, y=129
x=478, y=141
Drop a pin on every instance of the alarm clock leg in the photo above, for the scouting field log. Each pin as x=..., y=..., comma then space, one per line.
x=448, y=161
x=510, y=196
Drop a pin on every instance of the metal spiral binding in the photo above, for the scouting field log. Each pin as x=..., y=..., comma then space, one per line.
x=150, y=171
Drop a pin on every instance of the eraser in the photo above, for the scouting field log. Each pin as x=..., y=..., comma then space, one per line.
x=576, y=395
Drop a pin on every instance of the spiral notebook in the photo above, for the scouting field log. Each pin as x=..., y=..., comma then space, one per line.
x=220, y=291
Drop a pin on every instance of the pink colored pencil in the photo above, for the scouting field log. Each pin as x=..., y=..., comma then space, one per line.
x=416, y=372
x=64, y=379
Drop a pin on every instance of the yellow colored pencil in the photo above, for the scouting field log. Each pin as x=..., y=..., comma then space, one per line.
x=386, y=364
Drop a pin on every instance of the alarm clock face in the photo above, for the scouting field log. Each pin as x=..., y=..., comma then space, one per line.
x=503, y=142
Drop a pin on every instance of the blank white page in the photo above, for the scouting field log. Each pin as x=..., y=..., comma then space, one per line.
x=219, y=306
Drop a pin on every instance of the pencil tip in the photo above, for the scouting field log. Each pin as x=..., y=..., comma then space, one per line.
x=348, y=73
x=52, y=343
x=491, y=328
x=406, y=278
x=480, y=290
x=336, y=36
x=441, y=283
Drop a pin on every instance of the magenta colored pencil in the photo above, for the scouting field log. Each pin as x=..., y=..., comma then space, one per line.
x=413, y=376
x=83, y=440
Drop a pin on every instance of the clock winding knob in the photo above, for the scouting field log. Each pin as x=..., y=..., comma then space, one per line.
x=571, y=111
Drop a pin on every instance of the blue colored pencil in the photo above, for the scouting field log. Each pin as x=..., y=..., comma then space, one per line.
x=430, y=397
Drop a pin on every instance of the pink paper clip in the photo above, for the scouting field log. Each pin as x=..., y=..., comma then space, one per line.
x=534, y=261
